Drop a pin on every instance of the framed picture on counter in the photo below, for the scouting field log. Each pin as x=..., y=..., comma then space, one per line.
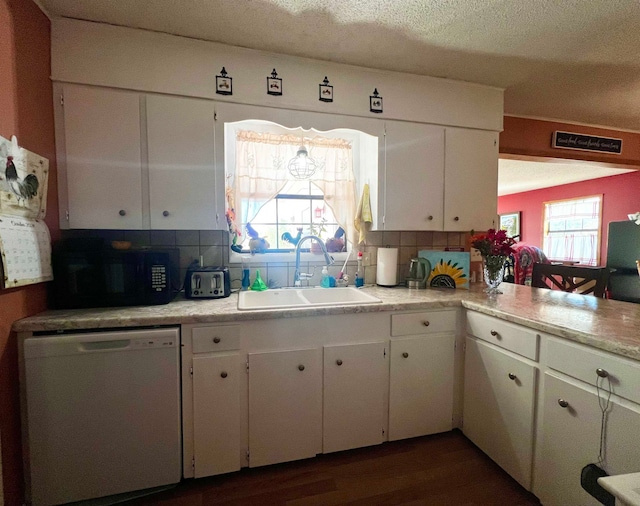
x=511, y=223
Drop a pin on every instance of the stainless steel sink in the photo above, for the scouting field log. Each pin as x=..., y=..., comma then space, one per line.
x=303, y=297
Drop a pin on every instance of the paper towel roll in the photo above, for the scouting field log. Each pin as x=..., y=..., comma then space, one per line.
x=387, y=267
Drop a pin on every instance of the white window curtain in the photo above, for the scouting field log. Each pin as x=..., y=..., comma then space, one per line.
x=572, y=230
x=260, y=173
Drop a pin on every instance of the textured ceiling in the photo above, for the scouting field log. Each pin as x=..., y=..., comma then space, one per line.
x=572, y=60
x=515, y=176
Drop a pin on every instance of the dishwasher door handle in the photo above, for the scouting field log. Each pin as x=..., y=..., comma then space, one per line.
x=104, y=345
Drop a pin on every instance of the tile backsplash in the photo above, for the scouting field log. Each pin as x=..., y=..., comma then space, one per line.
x=213, y=245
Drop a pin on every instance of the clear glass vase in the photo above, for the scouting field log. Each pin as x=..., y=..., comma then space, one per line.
x=493, y=268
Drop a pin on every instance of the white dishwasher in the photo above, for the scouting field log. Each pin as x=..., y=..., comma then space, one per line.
x=103, y=413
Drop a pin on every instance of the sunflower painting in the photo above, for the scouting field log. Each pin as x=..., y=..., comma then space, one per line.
x=449, y=269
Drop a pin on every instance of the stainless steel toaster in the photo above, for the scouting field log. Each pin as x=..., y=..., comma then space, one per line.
x=207, y=283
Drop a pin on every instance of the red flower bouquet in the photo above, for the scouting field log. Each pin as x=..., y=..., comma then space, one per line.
x=494, y=242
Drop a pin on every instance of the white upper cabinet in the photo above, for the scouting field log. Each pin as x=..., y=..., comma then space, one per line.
x=182, y=186
x=99, y=148
x=470, y=179
x=414, y=176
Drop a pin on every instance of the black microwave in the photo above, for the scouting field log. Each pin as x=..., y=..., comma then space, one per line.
x=89, y=273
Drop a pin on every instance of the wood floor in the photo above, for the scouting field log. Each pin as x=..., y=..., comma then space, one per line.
x=445, y=469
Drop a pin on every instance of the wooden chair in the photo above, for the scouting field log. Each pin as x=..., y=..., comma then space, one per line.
x=571, y=278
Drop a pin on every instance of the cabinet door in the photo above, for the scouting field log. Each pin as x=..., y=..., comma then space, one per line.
x=354, y=380
x=216, y=414
x=499, y=406
x=103, y=164
x=470, y=179
x=285, y=406
x=421, y=386
x=414, y=176
x=180, y=135
x=571, y=440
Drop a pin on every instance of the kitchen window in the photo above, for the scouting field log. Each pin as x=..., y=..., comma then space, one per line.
x=572, y=230
x=270, y=206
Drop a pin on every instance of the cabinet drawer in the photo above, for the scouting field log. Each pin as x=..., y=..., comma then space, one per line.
x=430, y=322
x=509, y=336
x=215, y=338
x=581, y=363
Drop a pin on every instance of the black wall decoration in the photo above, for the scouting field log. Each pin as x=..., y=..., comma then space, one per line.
x=326, y=91
x=274, y=84
x=224, y=83
x=568, y=140
x=375, y=102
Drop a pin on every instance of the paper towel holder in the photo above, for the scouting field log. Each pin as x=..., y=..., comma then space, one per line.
x=387, y=270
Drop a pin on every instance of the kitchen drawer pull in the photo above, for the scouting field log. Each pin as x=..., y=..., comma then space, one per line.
x=494, y=333
x=512, y=376
x=122, y=212
x=426, y=323
x=300, y=367
x=165, y=213
x=601, y=372
x=405, y=355
x=430, y=218
x=339, y=362
x=223, y=374
x=456, y=219
x=216, y=340
x=563, y=403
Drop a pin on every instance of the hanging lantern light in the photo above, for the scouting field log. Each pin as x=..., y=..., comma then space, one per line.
x=302, y=166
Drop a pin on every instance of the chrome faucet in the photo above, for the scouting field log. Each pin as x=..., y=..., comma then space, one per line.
x=303, y=275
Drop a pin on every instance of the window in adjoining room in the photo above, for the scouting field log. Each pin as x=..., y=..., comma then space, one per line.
x=572, y=230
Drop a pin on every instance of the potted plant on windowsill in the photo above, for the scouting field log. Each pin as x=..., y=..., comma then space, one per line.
x=317, y=229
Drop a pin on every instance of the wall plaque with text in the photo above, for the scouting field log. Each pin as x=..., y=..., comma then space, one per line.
x=569, y=140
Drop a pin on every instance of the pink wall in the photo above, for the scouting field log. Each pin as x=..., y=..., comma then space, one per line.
x=26, y=110
x=621, y=196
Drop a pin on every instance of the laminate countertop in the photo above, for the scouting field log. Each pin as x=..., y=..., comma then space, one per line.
x=609, y=325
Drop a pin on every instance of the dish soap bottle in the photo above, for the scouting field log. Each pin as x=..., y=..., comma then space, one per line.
x=325, y=283
x=359, y=273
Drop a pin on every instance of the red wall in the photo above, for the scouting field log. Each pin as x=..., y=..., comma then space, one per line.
x=26, y=111
x=621, y=196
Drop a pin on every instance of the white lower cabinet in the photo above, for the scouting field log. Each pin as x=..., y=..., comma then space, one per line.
x=570, y=439
x=353, y=396
x=499, y=392
x=421, y=385
x=285, y=406
x=216, y=414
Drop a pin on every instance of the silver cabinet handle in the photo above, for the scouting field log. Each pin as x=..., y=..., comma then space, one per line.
x=426, y=323
x=563, y=403
x=216, y=340
x=122, y=212
x=223, y=374
x=601, y=372
x=405, y=355
x=165, y=213
x=339, y=362
x=512, y=376
x=300, y=367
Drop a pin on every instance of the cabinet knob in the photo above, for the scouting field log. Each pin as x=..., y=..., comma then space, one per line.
x=601, y=372
x=494, y=333
x=456, y=218
x=563, y=403
x=165, y=213
x=512, y=376
x=223, y=374
x=405, y=355
x=300, y=367
x=122, y=212
x=430, y=218
x=339, y=362
x=216, y=340
x=426, y=323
